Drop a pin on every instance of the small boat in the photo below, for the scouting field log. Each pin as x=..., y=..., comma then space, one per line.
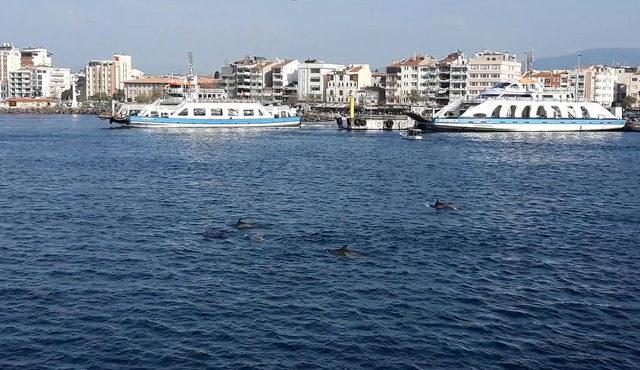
x=412, y=134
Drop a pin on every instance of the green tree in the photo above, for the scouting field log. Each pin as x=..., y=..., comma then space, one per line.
x=100, y=97
x=629, y=102
x=415, y=97
x=149, y=97
x=119, y=95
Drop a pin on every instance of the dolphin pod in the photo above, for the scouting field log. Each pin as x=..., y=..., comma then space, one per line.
x=344, y=251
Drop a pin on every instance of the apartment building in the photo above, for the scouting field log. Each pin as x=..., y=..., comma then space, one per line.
x=313, y=79
x=489, y=68
x=9, y=62
x=35, y=57
x=107, y=76
x=346, y=83
x=285, y=80
x=451, y=79
x=21, y=83
x=251, y=76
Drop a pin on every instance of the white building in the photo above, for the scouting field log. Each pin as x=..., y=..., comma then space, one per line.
x=595, y=83
x=21, y=84
x=9, y=62
x=35, y=57
x=489, y=68
x=313, y=77
x=51, y=82
x=251, y=76
x=343, y=84
x=285, y=80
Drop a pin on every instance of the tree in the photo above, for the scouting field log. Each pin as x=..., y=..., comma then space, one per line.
x=119, y=95
x=415, y=97
x=100, y=97
x=629, y=102
x=149, y=97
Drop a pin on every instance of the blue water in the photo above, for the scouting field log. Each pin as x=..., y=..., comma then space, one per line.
x=103, y=263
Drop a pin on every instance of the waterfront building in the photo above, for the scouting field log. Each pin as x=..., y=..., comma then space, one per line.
x=285, y=80
x=107, y=76
x=39, y=82
x=628, y=83
x=27, y=102
x=345, y=83
x=488, y=68
x=250, y=77
x=313, y=78
x=35, y=57
x=424, y=79
x=9, y=62
x=50, y=82
x=548, y=79
x=450, y=80
x=21, y=83
x=595, y=83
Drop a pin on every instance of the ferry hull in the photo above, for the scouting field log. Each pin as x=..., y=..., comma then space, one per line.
x=525, y=125
x=151, y=122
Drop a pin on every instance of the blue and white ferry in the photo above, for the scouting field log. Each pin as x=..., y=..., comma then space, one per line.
x=202, y=108
x=525, y=106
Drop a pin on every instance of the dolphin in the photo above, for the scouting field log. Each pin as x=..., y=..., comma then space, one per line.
x=444, y=205
x=343, y=251
x=240, y=224
x=215, y=233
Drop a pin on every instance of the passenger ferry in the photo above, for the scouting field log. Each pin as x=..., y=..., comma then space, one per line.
x=524, y=106
x=201, y=108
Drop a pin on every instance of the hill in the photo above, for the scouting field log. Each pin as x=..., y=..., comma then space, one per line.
x=607, y=56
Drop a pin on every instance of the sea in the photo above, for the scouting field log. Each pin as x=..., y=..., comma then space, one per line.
x=106, y=261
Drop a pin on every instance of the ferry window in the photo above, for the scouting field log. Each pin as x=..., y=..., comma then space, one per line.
x=556, y=112
x=585, y=112
x=512, y=111
x=541, y=112
x=247, y=112
x=260, y=112
x=479, y=115
x=216, y=112
x=164, y=114
x=233, y=112
x=185, y=112
x=496, y=112
x=153, y=114
x=526, y=112
x=571, y=112
x=199, y=112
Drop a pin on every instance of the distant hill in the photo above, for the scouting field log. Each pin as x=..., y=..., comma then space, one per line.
x=621, y=56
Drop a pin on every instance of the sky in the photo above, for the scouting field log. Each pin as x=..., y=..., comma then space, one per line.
x=159, y=33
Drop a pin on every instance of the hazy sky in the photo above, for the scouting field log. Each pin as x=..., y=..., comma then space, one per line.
x=158, y=33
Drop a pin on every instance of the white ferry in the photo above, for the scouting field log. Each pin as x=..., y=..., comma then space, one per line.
x=201, y=108
x=524, y=106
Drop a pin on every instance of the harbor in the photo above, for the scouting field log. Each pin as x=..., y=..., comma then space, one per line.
x=320, y=185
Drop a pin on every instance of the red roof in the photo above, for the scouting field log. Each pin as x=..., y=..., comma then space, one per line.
x=31, y=100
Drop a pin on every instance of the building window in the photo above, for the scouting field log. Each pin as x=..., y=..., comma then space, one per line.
x=199, y=112
x=315, y=70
